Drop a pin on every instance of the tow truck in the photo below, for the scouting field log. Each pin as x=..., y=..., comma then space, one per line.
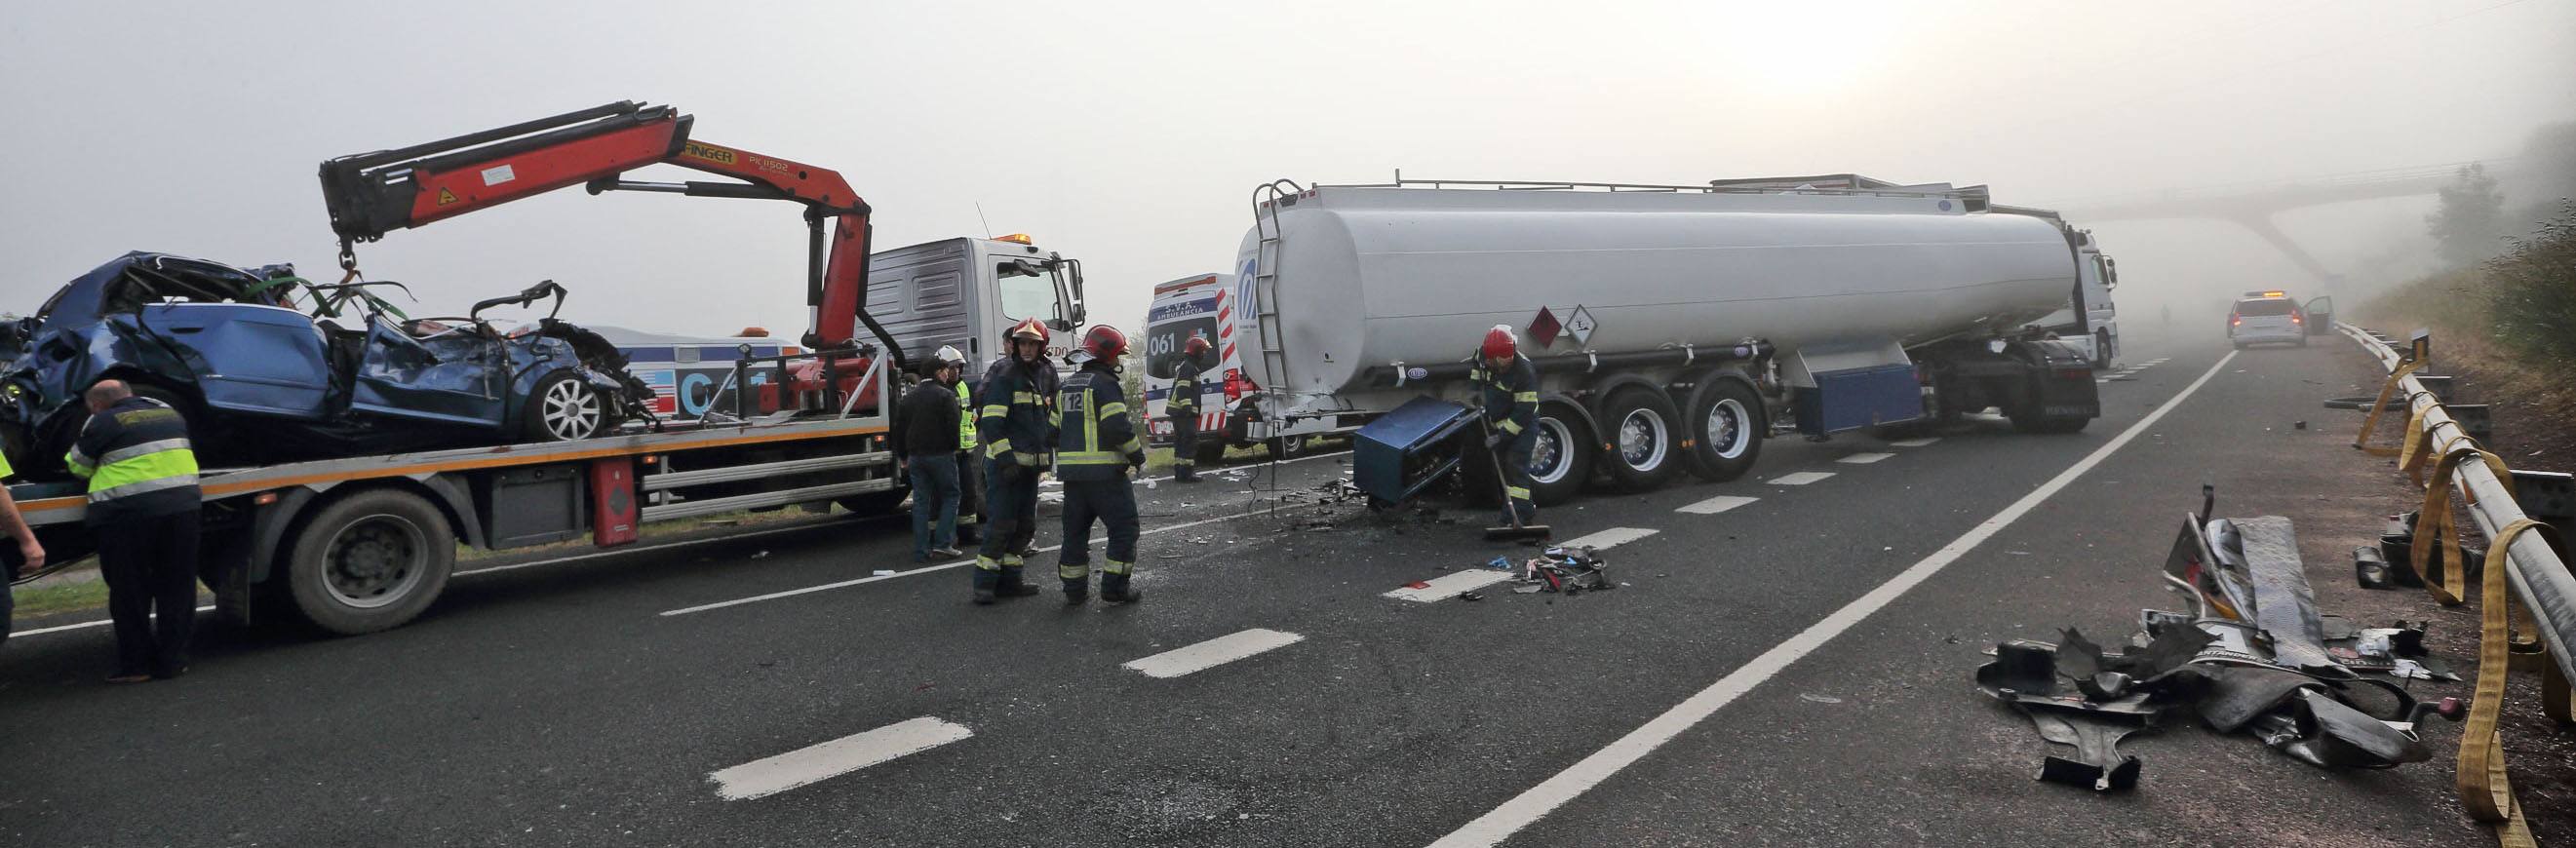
x=362, y=544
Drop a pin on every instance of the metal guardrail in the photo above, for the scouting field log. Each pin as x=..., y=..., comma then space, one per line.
x=2537, y=576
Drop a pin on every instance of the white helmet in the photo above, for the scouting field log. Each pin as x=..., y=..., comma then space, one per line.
x=948, y=354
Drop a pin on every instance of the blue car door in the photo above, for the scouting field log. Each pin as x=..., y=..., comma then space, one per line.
x=245, y=357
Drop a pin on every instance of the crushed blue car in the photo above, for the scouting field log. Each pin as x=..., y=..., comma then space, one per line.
x=262, y=381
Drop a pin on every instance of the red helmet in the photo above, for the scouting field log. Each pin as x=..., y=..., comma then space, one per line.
x=1028, y=328
x=1197, y=345
x=1500, y=343
x=1104, y=342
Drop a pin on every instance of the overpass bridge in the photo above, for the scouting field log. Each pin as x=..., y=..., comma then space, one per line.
x=2256, y=205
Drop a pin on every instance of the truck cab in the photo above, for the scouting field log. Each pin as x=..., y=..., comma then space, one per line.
x=964, y=291
x=2090, y=322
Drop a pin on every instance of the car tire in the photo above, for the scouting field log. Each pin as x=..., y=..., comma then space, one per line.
x=1643, y=433
x=370, y=561
x=563, y=407
x=1725, y=423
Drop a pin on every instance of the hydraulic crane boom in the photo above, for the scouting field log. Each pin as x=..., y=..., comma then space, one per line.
x=370, y=194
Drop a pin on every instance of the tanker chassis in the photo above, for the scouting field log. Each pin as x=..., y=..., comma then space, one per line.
x=1674, y=327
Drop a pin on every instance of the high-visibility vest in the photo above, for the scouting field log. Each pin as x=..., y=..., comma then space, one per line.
x=136, y=453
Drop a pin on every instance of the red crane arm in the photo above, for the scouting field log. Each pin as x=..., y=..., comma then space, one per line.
x=370, y=194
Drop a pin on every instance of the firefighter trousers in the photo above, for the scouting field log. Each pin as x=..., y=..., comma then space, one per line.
x=1112, y=503
x=1010, y=513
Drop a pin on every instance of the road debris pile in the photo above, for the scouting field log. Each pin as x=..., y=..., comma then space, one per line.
x=2252, y=655
x=1569, y=571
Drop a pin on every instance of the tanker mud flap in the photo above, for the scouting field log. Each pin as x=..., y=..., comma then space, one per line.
x=2062, y=386
x=1840, y=386
x=1405, y=451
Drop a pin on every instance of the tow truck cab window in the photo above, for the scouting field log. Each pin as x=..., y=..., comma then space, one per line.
x=1028, y=290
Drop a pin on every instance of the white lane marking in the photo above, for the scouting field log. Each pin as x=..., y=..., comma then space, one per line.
x=1800, y=478
x=1451, y=585
x=1214, y=652
x=1864, y=458
x=1915, y=443
x=772, y=775
x=1718, y=504
x=2101, y=380
x=1607, y=539
x=1220, y=469
x=1519, y=812
x=62, y=627
x=790, y=593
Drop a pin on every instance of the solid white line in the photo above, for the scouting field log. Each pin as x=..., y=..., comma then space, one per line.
x=1718, y=504
x=1212, y=653
x=1519, y=812
x=1220, y=469
x=1800, y=478
x=1864, y=458
x=1915, y=443
x=60, y=628
x=772, y=775
x=1451, y=585
x=910, y=573
x=1608, y=539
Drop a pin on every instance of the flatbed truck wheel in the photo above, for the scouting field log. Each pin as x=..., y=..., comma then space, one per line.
x=370, y=561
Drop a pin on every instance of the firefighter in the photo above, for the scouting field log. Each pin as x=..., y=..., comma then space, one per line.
x=1508, y=388
x=1101, y=449
x=1182, y=406
x=1019, y=437
x=143, y=508
x=969, y=483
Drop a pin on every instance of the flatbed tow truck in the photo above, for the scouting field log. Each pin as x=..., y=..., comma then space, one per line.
x=361, y=544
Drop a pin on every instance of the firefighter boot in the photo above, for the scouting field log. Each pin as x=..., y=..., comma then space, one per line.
x=988, y=577
x=1114, y=589
x=1012, y=586
x=1077, y=581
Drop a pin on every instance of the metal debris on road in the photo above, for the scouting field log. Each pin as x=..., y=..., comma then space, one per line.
x=2252, y=654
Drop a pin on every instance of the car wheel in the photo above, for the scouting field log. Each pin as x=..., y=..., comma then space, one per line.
x=565, y=408
x=370, y=561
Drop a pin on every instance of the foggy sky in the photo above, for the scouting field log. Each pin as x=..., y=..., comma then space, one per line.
x=1131, y=134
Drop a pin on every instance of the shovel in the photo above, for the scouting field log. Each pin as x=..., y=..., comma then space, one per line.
x=1516, y=531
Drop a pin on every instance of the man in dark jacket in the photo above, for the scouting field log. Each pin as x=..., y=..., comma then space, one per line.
x=143, y=506
x=924, y=435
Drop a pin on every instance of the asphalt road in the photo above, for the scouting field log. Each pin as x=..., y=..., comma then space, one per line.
x=774, y=690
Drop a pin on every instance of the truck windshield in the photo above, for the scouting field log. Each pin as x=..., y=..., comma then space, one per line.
x=1025, y=296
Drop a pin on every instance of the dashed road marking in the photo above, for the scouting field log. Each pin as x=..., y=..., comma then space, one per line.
x=1864, y=458
x=1215, y=652
x=1607, y=539
x=772, y=775
x=1450, y=585
x=1718, y=504
x=1915, y=443
x=1535, y=803
x=1800, y=478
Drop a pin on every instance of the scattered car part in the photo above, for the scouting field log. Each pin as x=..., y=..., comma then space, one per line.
x=2097, y=762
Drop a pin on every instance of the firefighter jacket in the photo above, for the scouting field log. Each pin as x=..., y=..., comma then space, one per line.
x=1100, y=439
x=1510, y=396
x=1183, y=401
x=1015, y=421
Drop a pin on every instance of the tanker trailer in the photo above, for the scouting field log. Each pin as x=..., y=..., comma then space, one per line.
x=1674, y=327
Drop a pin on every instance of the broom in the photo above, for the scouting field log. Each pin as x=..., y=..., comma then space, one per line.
x=1516, y=531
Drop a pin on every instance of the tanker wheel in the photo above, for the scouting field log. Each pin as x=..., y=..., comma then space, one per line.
x=2101, y=350
x=1560, y=456
x=1643, y=437
x=1726, y=427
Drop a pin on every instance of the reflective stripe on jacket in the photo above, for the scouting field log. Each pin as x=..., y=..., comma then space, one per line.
x=1014, y=418
x=1183, y=401
x=1099, y=437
